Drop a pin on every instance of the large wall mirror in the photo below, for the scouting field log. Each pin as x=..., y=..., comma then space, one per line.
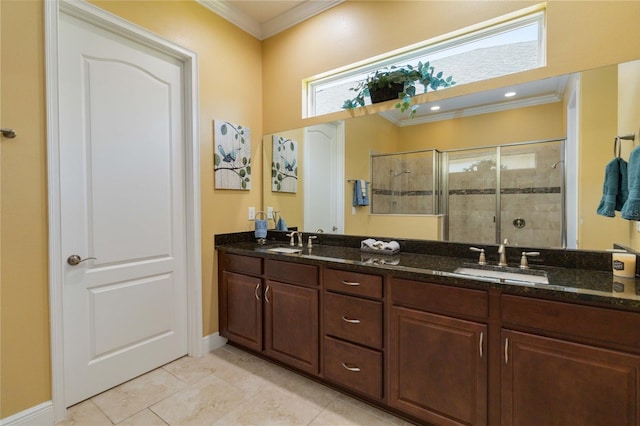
x=548, y=145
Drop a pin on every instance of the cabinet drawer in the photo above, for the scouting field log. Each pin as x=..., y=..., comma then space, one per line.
x=616, y=329
x=242, y=264
x=439, y=298
x=351, y=318
x=289, y=272
x=353, y=283
x=353, y=367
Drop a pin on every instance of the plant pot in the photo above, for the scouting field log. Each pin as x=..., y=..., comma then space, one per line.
x=382, y=94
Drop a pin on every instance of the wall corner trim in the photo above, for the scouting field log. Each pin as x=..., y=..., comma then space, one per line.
x=212, y=342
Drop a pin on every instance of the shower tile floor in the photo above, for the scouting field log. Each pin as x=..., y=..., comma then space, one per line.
x=225, y=387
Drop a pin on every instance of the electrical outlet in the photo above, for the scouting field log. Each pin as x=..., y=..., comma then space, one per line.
x=269, y=212
x=252, y=213
x=637, y=226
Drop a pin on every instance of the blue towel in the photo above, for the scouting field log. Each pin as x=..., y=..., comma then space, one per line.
x=261, y=228
x=623, y=185
x=631, y=208
x=360, y=193
x=281, y=226
x=607, y=206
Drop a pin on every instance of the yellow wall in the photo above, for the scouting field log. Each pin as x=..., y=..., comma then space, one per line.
x=517, y=125
x=581, y=35
x=629, y=118
x=365, y=135
x=25, y=373
x=598, y=125
x=230, y=85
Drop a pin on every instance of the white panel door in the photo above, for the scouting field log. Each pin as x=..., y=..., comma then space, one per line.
x=122, y=203
x=324, y=178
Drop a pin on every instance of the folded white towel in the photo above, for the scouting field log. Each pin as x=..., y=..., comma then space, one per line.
x=380, y=245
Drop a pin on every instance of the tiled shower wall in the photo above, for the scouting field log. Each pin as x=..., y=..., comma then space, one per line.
x=402, y=183
x=530, y=198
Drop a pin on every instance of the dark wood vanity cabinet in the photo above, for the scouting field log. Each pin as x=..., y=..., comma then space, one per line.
x=441, y=354
x=550, y=381
x=437, y=363
x=271, y=307
x=291, y=325
x=240, y=297
x=568, y=364
x=352, y=345
x=243, y=303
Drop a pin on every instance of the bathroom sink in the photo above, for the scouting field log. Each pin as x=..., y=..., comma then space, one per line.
x=285, y=250
x=534, y=277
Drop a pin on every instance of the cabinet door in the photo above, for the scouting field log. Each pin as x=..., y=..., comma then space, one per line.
x=291, y=325
x=437, y=367
x=243, y=309
x=553, y=382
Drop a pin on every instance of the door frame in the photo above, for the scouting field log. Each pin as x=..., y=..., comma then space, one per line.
x=96, y=16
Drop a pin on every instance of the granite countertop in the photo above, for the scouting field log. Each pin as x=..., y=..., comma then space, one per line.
x=565, y=284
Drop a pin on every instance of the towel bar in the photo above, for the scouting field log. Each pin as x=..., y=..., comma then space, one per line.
x=617, y=147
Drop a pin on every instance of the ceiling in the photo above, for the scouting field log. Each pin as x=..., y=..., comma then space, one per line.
x=264, y=18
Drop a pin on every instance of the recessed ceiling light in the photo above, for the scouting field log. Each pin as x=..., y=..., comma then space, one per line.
x=509, y=94
x=435, y=108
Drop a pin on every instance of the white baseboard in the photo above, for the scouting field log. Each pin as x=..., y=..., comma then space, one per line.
x=40, y=415
x=213, y=342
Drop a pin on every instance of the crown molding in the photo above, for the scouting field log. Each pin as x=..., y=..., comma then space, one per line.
x=296, y=15
x=267, y=29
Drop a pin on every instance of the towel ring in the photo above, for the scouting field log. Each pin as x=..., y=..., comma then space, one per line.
x=261, y=213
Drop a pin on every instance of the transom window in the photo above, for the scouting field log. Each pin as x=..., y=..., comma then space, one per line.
x=494, y=50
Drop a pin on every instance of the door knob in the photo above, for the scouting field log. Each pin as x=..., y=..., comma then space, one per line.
x=74, y=259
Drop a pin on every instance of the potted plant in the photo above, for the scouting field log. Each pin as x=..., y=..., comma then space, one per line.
x=398, y=83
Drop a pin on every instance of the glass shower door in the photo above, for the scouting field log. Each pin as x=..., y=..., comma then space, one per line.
x=470, y=182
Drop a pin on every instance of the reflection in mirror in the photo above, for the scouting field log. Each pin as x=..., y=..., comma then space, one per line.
x=586, y=110
x=404, y=183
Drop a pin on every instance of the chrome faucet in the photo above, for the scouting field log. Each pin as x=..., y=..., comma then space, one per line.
x=293, y=235
x=503, y=253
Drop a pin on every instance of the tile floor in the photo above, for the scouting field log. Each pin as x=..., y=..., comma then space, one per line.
x=225, y=387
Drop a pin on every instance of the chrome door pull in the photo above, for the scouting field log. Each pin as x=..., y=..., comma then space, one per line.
x=506, y=350
x=481, y=339
x=353, y=284
x=350, y=321
x=74, y=259
x=266, y=294
x=257, y=293
x=354, y=369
